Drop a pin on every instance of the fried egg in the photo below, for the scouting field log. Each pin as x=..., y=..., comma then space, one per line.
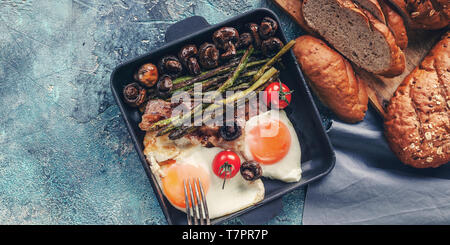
x=196, y=162
x=164, y=149
x=271, y=140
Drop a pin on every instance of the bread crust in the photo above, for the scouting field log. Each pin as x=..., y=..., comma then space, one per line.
x=417, y=123
x=398, y=62
x=332, y=78
x=396, y=24
x=424, y=14
x=375, y=6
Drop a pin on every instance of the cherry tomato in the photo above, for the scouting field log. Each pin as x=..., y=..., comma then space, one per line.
x=273, y=91
x=226, y=165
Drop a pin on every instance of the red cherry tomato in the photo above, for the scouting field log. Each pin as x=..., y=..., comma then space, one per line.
x=280, y=90
x=226, y=164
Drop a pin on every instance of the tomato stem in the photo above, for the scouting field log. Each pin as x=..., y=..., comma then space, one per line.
x=283, y=93
x=226, y=169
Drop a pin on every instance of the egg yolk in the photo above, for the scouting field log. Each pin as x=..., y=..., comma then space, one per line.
x=172, y=182
x=269, y=141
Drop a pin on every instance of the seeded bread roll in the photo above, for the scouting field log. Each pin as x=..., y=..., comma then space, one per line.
x=356, y=34
x=332, y=78
x=424, y=14
x=396, y=24
x=417, y=123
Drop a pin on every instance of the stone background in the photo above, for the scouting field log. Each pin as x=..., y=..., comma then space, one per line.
x=65, y=154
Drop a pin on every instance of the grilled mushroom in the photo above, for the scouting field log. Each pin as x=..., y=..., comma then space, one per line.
x=254, y=31
x=188, y=56
x=230, y=133
x=193, y=66
x=271, y=46
x=134, y=94
x=251, y=170
x=164, y=85
x=268, y=28
x=171, y=66
x=147, y=75
x=225, y=39
x=208, y=56
x=245, y=39
x=230, y=51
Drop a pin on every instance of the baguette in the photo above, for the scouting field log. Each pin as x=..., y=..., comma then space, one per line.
x=332, y=78
x=417, y=123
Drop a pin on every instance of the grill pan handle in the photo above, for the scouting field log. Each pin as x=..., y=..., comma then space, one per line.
x=185, y=27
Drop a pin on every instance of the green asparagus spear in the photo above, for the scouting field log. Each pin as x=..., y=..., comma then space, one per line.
x=198, y=109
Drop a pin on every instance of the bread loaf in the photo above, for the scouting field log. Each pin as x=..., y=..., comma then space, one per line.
x=356, y=34
x=332, y=78
x=424, y=14
x=417, y=123
x=396, y=24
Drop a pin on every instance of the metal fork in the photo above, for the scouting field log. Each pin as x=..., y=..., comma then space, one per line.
x=199, y=209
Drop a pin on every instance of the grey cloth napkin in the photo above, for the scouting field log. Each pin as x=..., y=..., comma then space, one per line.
x=369, y=185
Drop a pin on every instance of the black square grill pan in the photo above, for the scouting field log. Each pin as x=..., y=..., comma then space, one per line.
x=318, y=157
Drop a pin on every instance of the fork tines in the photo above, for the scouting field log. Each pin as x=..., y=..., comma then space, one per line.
x=197, y=209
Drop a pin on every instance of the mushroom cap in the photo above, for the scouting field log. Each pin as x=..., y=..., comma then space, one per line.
x=164, y=84
x=170, y=65
x=245, y=39
x=268, y=28
x=225, y=35
x=271, y=46
x=193, y=66
x=187, y=52
x=134, y=95
x=147, y=75
x=208, y=56
x=251, y=170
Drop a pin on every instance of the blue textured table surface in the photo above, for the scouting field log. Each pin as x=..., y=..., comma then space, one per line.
x=65, y=154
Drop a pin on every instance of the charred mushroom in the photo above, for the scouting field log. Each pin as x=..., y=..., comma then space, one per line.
x=225, y=39
x=229, y=51
x=188, y=56
x=271, y=46
x=251, y=170
x=171, y=66
x=193, y=66
x=268, y=28
x=208, y=56
x=245, y=39
x=134, y=94
x=230, y=133
x=164, y=85
x=147, y=75
x=254, y=31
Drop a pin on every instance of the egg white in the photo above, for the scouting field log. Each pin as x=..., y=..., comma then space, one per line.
x=237, y=193
x=287, y=169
